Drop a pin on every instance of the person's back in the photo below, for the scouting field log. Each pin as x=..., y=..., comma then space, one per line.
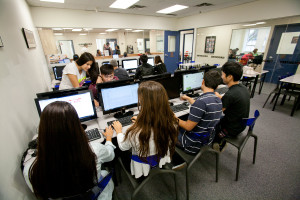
x=145, y=69
x=121, y=73
x=160, y=67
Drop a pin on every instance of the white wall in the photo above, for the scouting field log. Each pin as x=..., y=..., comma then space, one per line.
x=253, y=11
x=52, y=17
x=23, y=73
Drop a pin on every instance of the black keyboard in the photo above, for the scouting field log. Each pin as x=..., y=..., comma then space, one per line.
x=93, y=134
x=179, y=107
x=124, y=121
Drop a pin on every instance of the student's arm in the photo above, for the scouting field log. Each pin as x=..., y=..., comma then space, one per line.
x=189, y=99
x=105, y=153
x=218, y=95
x=74, y=80
x=187, y=125
x=124, y=145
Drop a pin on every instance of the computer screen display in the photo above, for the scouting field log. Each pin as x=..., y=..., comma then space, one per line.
x=82, y=101
x=192, y=81
x=105, y=62
x=58, y=72
x=151, y=61
x=130, y=64
x=123, y=96
x=115, y=56
x=171, y=85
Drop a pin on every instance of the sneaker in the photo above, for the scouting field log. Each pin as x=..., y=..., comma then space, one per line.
x=180, y=166
x=219, y=147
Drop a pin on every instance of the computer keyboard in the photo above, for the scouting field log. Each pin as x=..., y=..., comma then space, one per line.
x=124, y=120
x=179, y=107
x=93, y=134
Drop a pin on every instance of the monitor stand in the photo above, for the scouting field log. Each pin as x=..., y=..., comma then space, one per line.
x=192, y=94
x=122, y=113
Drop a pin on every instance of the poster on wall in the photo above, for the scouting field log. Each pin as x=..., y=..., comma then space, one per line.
x=288, y=42
x=210, y=42
x=29, y=38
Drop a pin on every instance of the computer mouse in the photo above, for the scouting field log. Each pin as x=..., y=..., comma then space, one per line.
x=186, y=103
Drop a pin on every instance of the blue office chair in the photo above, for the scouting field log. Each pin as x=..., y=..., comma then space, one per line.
x=240, y=141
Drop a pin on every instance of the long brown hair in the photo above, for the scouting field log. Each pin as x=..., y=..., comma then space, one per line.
x=155, y=117
x=65, y=164
x=157, y=60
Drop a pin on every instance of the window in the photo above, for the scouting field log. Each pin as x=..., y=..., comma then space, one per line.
x=100, y=43
x=250, y=40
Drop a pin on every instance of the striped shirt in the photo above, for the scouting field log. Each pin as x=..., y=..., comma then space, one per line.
x=206, y=111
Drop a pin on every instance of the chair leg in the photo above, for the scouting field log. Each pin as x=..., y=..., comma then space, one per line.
x=187, y=184
x=176, y=191
x=283, y=100
x=217, y=166
x=267, y=99
x=294, y=106
x=273, y=98
x=238, y=166
x=254, y=150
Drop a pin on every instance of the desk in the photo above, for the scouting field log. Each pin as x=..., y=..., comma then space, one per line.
x=256, y=75
x=295, y=79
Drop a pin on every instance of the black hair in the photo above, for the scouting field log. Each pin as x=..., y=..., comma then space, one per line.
x=118, y=46
x=75, y=57
x=234, y=69
x=107, y=43
x=144, y=58
x=125, y=54
x=94, y=73
x=84, y=58
x=212, y=79
x=106, y=69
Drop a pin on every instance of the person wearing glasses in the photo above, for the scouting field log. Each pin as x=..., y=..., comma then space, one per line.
x=106, y=75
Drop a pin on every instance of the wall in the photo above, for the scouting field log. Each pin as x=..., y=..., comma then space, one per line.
x=23, y=73
x=253, y=11
x=53, y=17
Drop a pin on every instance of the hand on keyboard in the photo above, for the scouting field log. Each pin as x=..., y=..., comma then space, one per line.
x=108, y=133
x=117, y=126
x=133, y=119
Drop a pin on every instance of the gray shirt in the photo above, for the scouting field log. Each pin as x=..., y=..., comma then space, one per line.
x=121, y=73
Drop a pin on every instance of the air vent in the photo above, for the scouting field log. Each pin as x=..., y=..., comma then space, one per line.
x=136, y=7
x=204, y=4
x=171, y=14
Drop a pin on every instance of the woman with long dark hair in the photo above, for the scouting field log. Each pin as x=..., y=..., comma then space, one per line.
x=66, y=164
x=74, y=74
x=153, y=135
x=159, y=67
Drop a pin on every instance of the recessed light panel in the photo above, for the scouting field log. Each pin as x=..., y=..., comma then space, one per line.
x=249, y=25
x=123, y=4
x=58, y=34
x=82, y=34
x=102, y=33
x=110, y=30
x=76, y=29
x=260, y=22
x=54, y=1
x=137, y=31
x=172, y=9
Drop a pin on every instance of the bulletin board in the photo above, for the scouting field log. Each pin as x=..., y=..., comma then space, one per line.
x=210, y=42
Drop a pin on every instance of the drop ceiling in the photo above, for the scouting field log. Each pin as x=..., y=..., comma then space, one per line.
x=151, y=6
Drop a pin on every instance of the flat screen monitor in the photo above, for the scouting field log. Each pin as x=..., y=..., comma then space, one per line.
x=130, y=64
x=192, y=81
x=151, y=61
x=105, y=62
x=117, y=97
x=157, y=76
x=172, y=86
x=58, y=72
x=82, y=100
x=115, y=56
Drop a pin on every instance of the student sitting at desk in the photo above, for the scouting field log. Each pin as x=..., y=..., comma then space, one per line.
x=107, y=75
x=236, y=105
x=66, y=164
x=154, y=133
x=119, y=72
x=144, y=69
x=74, y=74
x=160, y=67
x=204, y=115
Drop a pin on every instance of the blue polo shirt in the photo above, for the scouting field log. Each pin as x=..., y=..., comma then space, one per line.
x=206, y=111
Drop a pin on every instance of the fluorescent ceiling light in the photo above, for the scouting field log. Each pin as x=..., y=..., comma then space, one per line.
x=102, y=33
x=58, y=33
x=67, y=28
x=54, y=1
x=76, y=29
x=260, y=22
x=88, y=29
x=123, y=4
x=82, y=34
x=172, y=9
x=128, y=29
x=249, y=25
x=57, y=29
x=137, y=30
x=110, y=30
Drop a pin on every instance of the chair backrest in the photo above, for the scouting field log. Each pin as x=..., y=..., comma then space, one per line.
x=250, y=122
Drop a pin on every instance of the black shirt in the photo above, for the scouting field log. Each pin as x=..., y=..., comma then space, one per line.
x=237, y=103
x=144, y=70
x=160, y=68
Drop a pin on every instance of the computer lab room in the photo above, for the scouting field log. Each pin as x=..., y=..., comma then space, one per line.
x=149, y=99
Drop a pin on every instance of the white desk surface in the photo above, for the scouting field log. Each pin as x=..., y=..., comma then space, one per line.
x=292, y=79
x=254, y=74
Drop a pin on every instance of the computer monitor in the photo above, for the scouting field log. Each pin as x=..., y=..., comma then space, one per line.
x=192, y=82
x=151, y=61
x=119, y=97
x=107, y=62
x=154, y=77
x=58, y=72
x=130, y=64
x=115, y=56
x=172, y=86
x=82, y=100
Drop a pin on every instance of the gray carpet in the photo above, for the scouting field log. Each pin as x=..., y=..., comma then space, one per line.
x=276, y=174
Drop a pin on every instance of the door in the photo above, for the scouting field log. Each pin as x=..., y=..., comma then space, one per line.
x=147, y=45
x=66, y=48
x=171, y=50
x=284, y=52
